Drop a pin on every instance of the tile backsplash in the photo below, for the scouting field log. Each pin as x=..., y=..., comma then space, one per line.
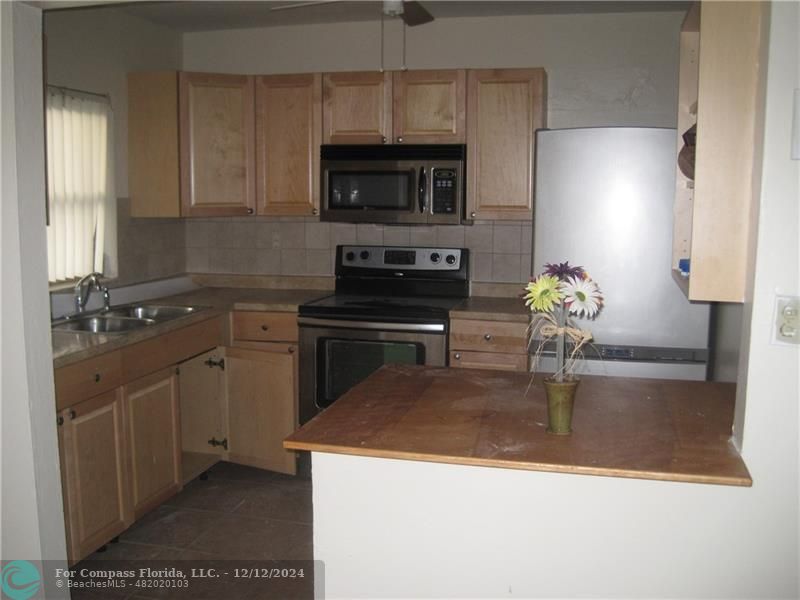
x=500, y=251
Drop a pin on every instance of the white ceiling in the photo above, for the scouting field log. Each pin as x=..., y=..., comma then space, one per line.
x=189, y=15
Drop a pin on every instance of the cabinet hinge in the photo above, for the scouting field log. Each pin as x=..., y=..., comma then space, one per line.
x=216, y=363
x=215, y=442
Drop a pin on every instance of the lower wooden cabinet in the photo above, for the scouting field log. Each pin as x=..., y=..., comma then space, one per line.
x=94, y=472
x=152, y=415
x=262, y=390
x=479, y=344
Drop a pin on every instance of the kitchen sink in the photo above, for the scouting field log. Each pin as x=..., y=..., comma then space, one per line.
x=122, y=319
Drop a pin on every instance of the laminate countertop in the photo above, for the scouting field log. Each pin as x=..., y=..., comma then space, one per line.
x=622, y=427
x=485, y=308
x=70, y=347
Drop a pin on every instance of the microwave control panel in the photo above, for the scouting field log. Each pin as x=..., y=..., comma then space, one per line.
x=444, y=190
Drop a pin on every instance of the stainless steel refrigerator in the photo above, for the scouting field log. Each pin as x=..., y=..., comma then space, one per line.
x=604, y=201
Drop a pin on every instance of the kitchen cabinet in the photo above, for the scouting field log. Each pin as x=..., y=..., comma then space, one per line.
x=203, y=407
x=402, y=107
x=217, y=144
x=429, y=107
x=288, y=136
x=152, y=415
x=505, y=107
x=499, y=345
x=722, y=73
x=94, y=471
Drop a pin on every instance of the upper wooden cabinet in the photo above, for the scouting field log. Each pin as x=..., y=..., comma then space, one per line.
x=505, y=107
x=288, y=136
x=357, y=108
x=217, y=133
x=721, y=89
x=429, y=107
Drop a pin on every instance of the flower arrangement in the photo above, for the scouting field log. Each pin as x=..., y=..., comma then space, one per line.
x=557, y=295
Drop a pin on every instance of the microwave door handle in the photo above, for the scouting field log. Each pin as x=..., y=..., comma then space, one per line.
x=422, y=188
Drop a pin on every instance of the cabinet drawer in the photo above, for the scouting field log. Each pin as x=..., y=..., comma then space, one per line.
x=499, y=361
x=265, y=326
x=488, y=336
x=87, y=378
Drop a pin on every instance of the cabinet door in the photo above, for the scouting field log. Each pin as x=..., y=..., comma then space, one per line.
x=217, y=129
x=262, y=405
x=497, y=361
x=288, y=136
x=202, y=405
x=153, y=418
x=357, y=108
x=429, y=107
x=94, y=473
x=505, y=108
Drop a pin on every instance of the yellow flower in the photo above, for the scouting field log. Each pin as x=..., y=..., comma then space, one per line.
x=543, y=293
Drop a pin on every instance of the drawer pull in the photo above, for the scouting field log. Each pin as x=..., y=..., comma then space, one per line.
x=264, y=327
x=457, y=356
x=97, y=377
x=72, y=414
x=60, y=420
x=488, y=337
x=291, y=349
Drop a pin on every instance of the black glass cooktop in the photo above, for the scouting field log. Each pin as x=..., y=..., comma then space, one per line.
x=380, y=307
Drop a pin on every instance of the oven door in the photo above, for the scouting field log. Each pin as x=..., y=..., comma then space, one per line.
x=374, y=191
x=336, y=354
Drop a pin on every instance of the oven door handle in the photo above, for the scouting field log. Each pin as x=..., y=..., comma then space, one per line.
x=372, y=325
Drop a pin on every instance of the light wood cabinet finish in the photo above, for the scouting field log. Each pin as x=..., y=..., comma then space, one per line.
x=152, y=415
x=202, y=403
x=262, y=407
x=500, y=361
x=153, y=156
x=258, y=326
x=288, y=136
x=94, y=470
x=429, y=107
x=217, y=143
x=719, y=217
x=488, y=336
x=357, y=108
x=505, y=107
x=79, y=381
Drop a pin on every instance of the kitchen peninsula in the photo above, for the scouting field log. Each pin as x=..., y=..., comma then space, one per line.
x=469, y=528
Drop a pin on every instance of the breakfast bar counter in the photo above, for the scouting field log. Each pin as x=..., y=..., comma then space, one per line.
x=632, y=428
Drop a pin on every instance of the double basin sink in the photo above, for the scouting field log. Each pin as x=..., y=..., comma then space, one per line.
x=122, y=319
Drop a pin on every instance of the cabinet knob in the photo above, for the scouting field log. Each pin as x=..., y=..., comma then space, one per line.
x=457, y=356
x=97, y=377
x=314, y=212
x=383, y=140
x=472, y=214
x=291, y=349
x=264, y=327
x=488, y=337
x=60, y=420
x=250, y=211
x=400, y=140
x=72, y=414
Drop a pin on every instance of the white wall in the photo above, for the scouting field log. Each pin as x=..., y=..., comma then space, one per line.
x=406, y=529
x=608, y=69
x=94, y=49
x=32, y=517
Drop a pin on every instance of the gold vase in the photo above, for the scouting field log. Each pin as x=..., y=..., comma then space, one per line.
x=560, y=400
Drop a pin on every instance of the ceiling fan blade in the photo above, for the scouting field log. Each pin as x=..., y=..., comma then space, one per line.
x=415, y=14
x=304, y=4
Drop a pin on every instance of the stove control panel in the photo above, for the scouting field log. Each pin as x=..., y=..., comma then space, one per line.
x=393, y=257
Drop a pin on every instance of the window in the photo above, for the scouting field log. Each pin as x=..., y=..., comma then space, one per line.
x=80, y=183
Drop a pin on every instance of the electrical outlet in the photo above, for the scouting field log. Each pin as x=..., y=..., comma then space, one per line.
x=787, y=320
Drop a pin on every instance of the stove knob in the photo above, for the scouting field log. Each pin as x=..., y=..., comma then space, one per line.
x=435, y=257
x=451, y=259
x=364, y=254
x=350, y=256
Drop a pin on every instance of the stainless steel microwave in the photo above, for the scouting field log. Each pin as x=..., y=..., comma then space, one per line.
x=401, y=184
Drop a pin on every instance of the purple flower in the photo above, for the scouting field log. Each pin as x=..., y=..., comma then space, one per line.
x=563, y=271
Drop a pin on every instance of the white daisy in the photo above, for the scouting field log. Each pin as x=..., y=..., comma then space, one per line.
x=582, y=296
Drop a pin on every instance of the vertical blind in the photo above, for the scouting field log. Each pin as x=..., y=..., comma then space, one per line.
x=79, y=181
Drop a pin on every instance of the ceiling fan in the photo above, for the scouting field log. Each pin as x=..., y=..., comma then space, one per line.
x=411, y=12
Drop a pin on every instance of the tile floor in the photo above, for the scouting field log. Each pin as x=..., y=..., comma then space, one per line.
x=237, y=513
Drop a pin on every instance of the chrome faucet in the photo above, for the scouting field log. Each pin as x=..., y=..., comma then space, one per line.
x=84, y=288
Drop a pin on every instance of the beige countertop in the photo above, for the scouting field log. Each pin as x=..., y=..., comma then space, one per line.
x=486, y=308
x=70, y=347
x=622, y=427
